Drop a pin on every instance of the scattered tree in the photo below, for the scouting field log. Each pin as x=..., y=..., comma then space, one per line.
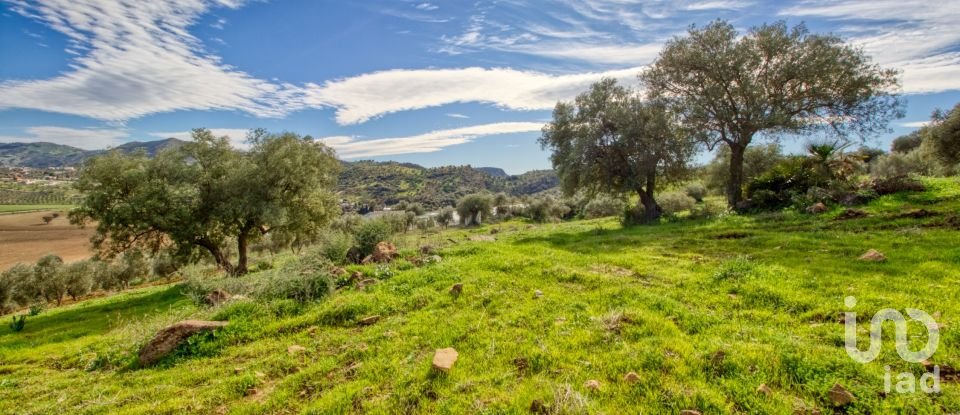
x=445, y=216
x=774, y=80
x=49, y=278
x=945, y=136
x=473, y=209
x=610, y=140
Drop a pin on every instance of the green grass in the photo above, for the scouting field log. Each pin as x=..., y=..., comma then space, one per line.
x=662, y=301
x=32, y=208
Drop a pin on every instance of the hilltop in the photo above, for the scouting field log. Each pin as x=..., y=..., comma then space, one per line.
x=45, y=155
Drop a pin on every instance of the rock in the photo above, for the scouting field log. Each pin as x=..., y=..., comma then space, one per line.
x=873, y=256
x=296, y=349
x=817, y=208
x=456, y=289
x=170, y=337
x=217, y=297
x=337, y=271
x=521, y=364
x=482, y=238
x=852, y=214
x=631, y=377
x=384, y=252
x=537, y=294
x=690, y=412
x=763, y=389
x=538, y=407
x=443, y=359
x=356, y=276
x=370, y=320
x=367, y=282
x=427, y=250
x=840, y=396
x=434, y=259
x=592, y=384
x=494, y=231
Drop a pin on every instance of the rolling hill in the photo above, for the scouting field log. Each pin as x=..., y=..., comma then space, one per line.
x=45, y=155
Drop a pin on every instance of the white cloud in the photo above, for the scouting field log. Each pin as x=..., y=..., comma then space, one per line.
x=361, y=98
x=427, y=6
x=84, y=138
x=914, y=124
x=137, y=58
x=351, y=148
x=719, y=5
x=635, y=54
x=913, y=35
x=456, y=115
x=238, y=136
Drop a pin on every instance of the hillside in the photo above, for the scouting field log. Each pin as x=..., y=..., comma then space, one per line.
x=570, y=318
x=379, y=183
x=44, y=155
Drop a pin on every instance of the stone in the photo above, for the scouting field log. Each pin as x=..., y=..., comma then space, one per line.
x=384, y=252
x=483, y=238
x=166, y=340
x=873, y=256
x=817, y=208
x=631, y=377
x=356, y=276
x=763, y=389
x=370, y=320
x=840, y=396
x=537, y=294
x=427, y=250
x=456, y=290
x=592, y=384
x=443, y=359
x=217, y=297
x=296, y=349
x=337, y=271
x=364, y=283
x=690, y=412
x=852, y=214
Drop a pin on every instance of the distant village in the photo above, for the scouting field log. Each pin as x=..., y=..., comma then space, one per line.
x=29, y=175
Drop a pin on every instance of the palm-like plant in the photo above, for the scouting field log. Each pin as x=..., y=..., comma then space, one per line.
x=830, y=160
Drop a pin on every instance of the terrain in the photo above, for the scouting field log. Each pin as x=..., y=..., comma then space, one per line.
x=45, y=155
x=703, y=311
x=24, y=237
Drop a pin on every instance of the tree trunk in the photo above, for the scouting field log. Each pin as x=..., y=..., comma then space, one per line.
x=218, y=256
x=735, y=185
x=241, y=268
x=651, y=210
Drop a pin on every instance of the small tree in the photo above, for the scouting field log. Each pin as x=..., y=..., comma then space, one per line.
x=945, y=137
x=78, y=277
x=473, y=209
x=50, y=278
x=445, y=216
x=771, y=81
x=23, y=289
x=128, y=267
x=610, y=140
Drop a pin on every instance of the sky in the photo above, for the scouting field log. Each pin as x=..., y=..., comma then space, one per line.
x=433, y=83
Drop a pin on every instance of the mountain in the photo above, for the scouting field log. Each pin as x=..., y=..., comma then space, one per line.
x=44, y=155
x=493, y=171
x=386, y=183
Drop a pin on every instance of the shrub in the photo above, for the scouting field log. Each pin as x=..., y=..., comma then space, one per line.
x=304, y=280
x=547, y=209
x=695, y=190
x=906, y=143
x=895, y=165
x=127, y=268
x=347, y=223
x=602, y=206
x=23, y=289
x=897, y=185
x=425, y=224
x=370, y=234
x=756, y=160
x=675, y=202
x=18, y=323
x=334, y=245
x=779, y=187
x=635, y=215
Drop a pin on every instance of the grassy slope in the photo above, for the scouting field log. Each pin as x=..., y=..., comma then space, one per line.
x=646, y=299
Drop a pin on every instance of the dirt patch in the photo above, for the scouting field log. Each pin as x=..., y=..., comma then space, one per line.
x=25, y=238
x=852, y=214
x=611, y=270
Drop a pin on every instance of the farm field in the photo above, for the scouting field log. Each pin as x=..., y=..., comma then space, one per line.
x=24, y=237
x=551, y=319
x=7, y=209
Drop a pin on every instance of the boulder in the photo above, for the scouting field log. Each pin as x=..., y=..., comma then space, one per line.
x=217, y=297
x=296, y=349
x=873, y=256
x=456, y=290
x=166, y=340
x=483, y=238
x=443, y=359
x=817, y=208
x=690, y=412
x=427, y=250
x=537, y=294
x=852, y=214
x=631, y=377
x=592, y=385
x=763, y=389
x=384, y=252
x=840, y=396
x=370, y=320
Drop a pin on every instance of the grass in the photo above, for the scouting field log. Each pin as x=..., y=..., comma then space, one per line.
x=703, y=311
x=32, y=208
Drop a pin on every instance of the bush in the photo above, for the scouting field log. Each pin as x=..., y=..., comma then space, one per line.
x=756, y=160
x=49, y=277
x=165, y=265
x=304, y=280
x=896, y=185
x=782, y=185
x=334, y=245
x=22, y=288
x=896, y=165
x=602, y=206
x=445, y=216
x=370, y=234
x=547, y=209
x=675, y=202
x=695, y=190
x=18, y=323
x=127, y=268
x=79, y=278
x=347, y=223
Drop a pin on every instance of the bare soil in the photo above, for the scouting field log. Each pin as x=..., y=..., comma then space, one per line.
x=25, y=238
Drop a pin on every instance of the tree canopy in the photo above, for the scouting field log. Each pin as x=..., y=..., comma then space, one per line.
x=203, y=195
x=610, y=140
x=773, y=80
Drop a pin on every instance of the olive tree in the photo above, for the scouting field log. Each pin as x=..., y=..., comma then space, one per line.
x=772, y=81
x=611, y=140
x=945, y=136
x=206, y=194
x=473, y=209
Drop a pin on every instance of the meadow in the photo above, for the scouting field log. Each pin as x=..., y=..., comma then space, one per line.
x=703, y=311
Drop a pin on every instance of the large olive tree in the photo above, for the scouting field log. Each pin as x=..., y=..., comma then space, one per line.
x=771, y=81
x=611, y=140
x=205, y=194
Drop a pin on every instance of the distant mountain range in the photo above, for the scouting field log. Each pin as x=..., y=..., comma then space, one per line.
x=44, y=155
x=363, y=182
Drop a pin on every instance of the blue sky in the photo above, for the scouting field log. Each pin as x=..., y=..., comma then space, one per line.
x=435, y=83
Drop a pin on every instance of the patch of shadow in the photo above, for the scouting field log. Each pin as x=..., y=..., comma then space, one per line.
x=852, y=214
x=917, y=214
x=732, y=235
